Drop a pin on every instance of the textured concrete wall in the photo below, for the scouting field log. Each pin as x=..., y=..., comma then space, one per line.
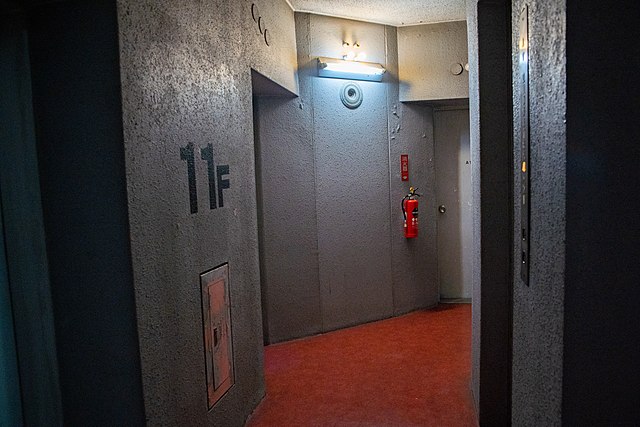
x=327, y=35
x=491, y=160
x=601, y=294
x=185, y=70
x=538, y=308
x=337, y=221
x=352, y=196
x=353, y=204
x=426, y=54
x=414, y=262
x=279, y=60
x=474, y=136
x=288, y=230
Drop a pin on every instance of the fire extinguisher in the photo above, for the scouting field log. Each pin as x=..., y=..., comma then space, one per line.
x=410, y=213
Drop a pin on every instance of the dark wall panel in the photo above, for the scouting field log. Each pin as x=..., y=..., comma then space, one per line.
x=491, y=163
x=601, y=340
x=10, y=397
x=76, y=90
x=495, y=201
x=24, y=230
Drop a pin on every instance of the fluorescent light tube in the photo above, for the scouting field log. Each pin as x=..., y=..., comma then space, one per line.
x=351, y=70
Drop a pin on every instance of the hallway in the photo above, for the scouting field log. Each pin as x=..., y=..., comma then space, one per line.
x=183, y=183
x=412, y=370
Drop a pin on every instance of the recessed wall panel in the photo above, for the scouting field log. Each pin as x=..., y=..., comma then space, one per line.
x=216, y=318
x=352, y=167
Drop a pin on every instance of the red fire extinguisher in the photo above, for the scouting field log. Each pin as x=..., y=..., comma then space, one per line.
x=410, y=212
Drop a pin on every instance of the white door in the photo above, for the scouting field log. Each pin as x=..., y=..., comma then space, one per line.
x=453, y=201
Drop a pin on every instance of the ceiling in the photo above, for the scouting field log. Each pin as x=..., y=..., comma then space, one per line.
x=391, y=12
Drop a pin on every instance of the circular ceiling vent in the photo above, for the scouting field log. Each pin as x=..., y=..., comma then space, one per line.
x=351, y=95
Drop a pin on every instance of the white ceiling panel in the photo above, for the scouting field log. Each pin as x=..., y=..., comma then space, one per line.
x=391, y=12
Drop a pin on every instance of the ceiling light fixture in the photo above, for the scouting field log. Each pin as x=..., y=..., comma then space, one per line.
x=351, y=70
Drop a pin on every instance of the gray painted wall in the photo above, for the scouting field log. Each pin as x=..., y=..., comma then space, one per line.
x=185, y=70
x=352, y=197
x=414, y=261
x=538, y=308
x=353, y=204
x=426, y=54
x=285, y=173
x=333, y=253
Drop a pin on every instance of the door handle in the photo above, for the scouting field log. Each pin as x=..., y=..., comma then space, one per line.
x=442, y=208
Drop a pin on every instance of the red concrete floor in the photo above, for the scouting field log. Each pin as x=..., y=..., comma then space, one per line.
x=413, y=370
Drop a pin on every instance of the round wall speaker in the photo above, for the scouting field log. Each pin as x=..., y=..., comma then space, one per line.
x=351, y=95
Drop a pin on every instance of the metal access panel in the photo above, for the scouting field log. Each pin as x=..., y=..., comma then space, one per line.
x=218, y=348
x=525, y=166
